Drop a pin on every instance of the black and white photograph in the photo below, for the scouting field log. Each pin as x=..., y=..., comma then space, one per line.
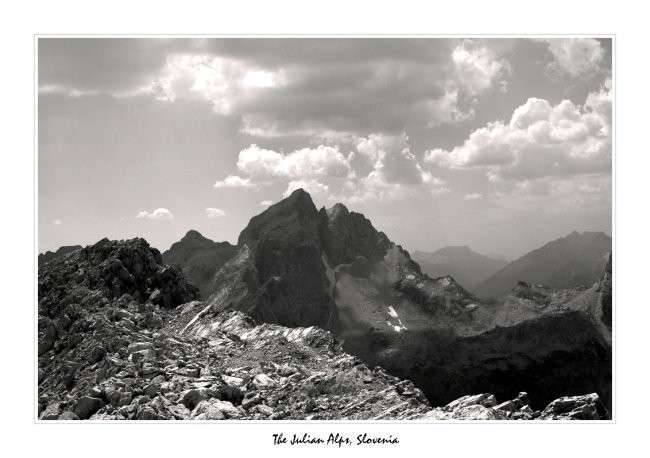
x=331, y=228
x=324, y=229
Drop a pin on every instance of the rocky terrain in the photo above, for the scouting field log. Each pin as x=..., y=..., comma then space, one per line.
x=200, y=258
x=122, y=336
x=573, y=261
x=299, y=266
x=467, y=267
x=316, y=315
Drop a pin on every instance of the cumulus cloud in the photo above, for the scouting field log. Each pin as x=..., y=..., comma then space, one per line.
x=214, y=212
x=578, y=57
x=473, y=196
x=266, y=203
x=391, y=159
x=313, y=187
x=158, y=214
x=378, y=166
x=234, y=181
x=478, y=69
x=540, y=140
x=419, y=82
x=222, y=81
x=307, y=162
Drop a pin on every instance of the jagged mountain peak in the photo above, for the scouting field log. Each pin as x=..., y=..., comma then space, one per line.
x=290, y=217
x=337, y=210
x=193, y=234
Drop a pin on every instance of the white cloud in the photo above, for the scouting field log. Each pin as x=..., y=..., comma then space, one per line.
x=307, y=162
x=540, y=140
x=379, y=167
x=578, y=57
x=57, y=222
x=214, y=212
x=473, y=196
x=158, y=213
x=234, y=181
x=391, y=159
x=477, y=68
x=266, y=203
x=313, y=187
x=221, y=80
x=263, y=79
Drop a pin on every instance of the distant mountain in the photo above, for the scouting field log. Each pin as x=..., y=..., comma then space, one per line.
x=575, y=260
x=46, y=257
x=465, y=266
x=499, y=257
x=199, y=258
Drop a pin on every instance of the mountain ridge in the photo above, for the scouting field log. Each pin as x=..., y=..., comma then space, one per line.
x=571, y=261
x=462, y=263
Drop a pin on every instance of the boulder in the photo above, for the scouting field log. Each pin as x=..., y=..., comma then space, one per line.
x=206, y=410
x=586, y=407
x=86, y=406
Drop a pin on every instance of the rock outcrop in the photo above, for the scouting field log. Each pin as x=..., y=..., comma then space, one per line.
x=485, y=407
x=200, y=259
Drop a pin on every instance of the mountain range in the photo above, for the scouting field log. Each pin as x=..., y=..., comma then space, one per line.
x=296, y=269
x=300, y=266
x=46, y=257
x=568, y=262
x=467, y=267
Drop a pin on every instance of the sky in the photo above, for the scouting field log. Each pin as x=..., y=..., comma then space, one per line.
x=502, y=144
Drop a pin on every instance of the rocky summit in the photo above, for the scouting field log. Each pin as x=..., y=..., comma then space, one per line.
x=316, y=315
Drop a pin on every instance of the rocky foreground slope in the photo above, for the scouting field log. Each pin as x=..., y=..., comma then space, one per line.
x=122, y=336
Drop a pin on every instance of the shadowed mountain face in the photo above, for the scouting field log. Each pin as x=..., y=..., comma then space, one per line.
x=297, y=266
x=575, y=260
x=46, y=257
x=460, y=262
x=200, y=258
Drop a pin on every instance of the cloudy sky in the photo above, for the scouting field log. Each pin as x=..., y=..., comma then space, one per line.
x=499, y=144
